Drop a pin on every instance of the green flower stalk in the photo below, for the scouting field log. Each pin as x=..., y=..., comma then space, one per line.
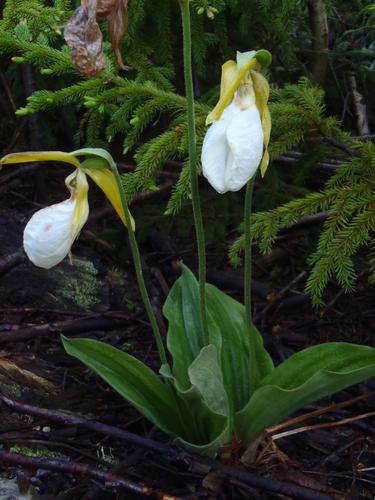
x=236, y=144
x=186, y=26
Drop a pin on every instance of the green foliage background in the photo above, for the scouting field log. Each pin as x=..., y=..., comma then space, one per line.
x=144, y=110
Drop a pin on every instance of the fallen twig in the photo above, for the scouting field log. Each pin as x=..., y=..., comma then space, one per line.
x=234, y=280
x=19, y=437
x=68, y=418
x=16, y=172
x=307, y=220
x=318, y=413
x=110, y=480
x=65, y=327
x=170, y=452
x=9, y=261
x=288, y=158
x=280, y=295
x=325, y=425
x=13, y=140
x=331, y=304
x=336, y=143
x=140, y=198
x=335, y=456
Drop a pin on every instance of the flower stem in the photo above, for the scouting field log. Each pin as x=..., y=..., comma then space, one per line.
x=186, y=26
x=250, y=329
x=248, y=252
x=138, y=270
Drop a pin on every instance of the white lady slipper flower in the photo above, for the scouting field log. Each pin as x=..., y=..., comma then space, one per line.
x=237, y=141
x=51, y=231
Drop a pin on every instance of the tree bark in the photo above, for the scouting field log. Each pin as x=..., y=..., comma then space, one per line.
x=320, y=32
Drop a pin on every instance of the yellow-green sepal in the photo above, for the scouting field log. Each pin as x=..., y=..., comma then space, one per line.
x=232, y=75
x=35, y=156
x=231, y=78
x=102, y=174
x=262, y=92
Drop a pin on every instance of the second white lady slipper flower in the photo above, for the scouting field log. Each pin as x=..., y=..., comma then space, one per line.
x=236, y=143
x=51, y=231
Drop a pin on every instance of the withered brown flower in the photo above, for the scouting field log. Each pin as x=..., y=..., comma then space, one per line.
x=83, y=34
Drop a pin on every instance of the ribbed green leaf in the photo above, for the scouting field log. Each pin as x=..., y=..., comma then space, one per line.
x=185, y=338
x=205, y=374
x=227, y=331
x=130, y=378
x=207, y=417
x=305, y=377
x=235, y=352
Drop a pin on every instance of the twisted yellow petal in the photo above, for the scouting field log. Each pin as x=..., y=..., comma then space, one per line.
x=105, y=179
x=78, y=187
x=99, y=166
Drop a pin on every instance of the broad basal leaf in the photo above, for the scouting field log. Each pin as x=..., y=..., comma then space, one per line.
x=132, y=379
x=207, y=418
x=227, y=331
x=205, y=374
x=185, y=338
x=305, y=377
x=235, y=353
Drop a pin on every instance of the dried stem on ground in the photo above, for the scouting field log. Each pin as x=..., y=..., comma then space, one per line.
x=111, y=480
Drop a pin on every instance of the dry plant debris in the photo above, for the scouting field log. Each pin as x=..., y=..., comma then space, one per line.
x=83, y=34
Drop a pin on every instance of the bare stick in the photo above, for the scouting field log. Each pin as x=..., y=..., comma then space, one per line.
x=12, y=260
x=281, y=294
x=329, y=139
x=66, y=327
x=169, y=452
x=317, y=413
x=110, y=479
x=67, y=418
x=326, y=425
x=360, y=108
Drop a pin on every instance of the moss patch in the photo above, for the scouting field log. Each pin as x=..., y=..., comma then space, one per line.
x=82, y=285
x=35, y=452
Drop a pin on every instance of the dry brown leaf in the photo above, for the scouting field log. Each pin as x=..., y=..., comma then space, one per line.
x=83, y=34
x=118, y=25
